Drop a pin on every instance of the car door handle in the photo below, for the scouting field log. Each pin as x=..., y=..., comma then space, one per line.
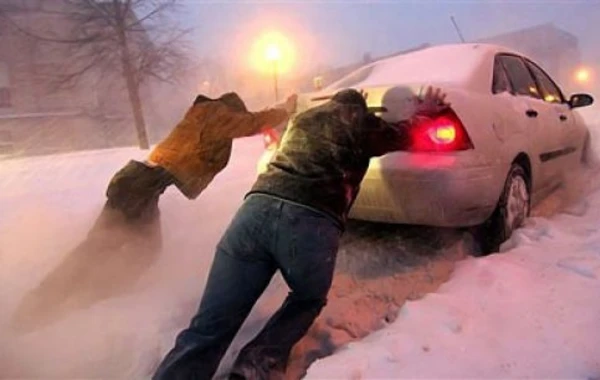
x=531, y=113
x=563, y=117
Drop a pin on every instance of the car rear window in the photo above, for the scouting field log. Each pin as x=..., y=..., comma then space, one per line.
x=447, y=64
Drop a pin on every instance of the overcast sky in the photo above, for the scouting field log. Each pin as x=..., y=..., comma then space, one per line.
x=337, y=32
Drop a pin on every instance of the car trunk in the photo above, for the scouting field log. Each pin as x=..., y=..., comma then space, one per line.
x=392, y=103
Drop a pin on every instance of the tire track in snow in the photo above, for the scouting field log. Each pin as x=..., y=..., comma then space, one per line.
x=379, y=268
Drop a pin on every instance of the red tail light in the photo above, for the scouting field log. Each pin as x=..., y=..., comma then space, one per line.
x=270, y=138
x=444, y=133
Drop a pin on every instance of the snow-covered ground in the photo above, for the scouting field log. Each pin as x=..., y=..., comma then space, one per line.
x=48, y=204
x=531, y=311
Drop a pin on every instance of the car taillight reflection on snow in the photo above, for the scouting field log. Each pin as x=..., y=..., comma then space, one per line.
x=444, y=133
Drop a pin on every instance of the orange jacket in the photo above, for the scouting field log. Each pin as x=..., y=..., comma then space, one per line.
x=200, y=145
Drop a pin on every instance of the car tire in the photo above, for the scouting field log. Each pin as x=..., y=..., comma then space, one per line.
x=513, y=208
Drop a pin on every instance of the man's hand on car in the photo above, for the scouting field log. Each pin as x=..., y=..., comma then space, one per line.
x=432, y=103
x=289, y=105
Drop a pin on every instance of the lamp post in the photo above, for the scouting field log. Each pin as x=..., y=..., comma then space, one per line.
x=273, y=54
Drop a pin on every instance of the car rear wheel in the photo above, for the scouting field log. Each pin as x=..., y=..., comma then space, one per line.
x=510, y=213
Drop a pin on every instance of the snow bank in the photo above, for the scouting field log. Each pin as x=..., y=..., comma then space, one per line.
x=532, y=311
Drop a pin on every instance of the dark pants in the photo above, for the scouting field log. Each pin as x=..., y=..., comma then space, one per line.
x=266, y=234
x=135, y=189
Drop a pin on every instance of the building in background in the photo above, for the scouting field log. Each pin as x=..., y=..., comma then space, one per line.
x=556, y=50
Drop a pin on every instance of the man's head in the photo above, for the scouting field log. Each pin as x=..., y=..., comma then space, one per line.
x=230, y=99
x=351, y=97
x=355, y=105
x=233, y=101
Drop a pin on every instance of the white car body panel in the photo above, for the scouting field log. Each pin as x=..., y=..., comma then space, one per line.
x=456, y=189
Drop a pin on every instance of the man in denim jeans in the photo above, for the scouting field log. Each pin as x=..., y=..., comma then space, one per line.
x=291, y=221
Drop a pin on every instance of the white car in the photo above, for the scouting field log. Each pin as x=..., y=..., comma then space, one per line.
x=507, y=142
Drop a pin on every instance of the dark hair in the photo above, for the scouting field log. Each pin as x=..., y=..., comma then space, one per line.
x=230, y=99
x=202, y=98
x=233, y=100
x=350, y=97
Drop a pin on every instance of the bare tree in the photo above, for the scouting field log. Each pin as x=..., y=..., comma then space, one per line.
x=136, y=38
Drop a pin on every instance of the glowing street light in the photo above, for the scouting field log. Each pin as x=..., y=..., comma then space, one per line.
x=272, y=54
x=582, y=75
x=318, y=83
x=206, y=87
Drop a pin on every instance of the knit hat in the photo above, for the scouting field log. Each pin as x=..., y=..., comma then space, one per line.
x=350, y=97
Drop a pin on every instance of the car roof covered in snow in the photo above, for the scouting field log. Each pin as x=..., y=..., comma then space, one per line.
x=467, y=66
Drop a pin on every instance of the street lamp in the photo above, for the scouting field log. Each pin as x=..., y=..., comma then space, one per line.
x=273, y=55
x=582, y=75
x=206, y=87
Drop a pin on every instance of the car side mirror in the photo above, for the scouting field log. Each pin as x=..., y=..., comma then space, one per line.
x=580, y=100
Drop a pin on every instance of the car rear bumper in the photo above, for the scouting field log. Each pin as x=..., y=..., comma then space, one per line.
x=444, y=193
